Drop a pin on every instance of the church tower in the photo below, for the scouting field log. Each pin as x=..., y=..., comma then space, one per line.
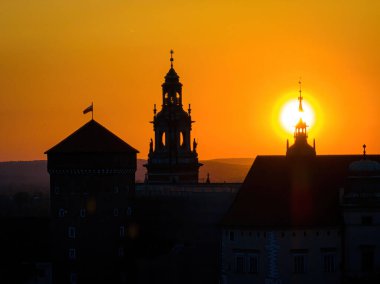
x=300, y=146
x=172, y=157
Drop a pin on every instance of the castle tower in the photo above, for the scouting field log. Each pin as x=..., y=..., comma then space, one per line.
x=172, y=158
x=92, y=184
x=300, y=146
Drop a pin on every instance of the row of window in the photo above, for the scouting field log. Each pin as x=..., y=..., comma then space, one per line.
x=73, y=253
x=71, y=232
x=116, y=189
x=250, y=263
x=233, y=235
x=82, y=212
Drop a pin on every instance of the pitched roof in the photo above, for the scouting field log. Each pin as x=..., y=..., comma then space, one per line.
x=92, y=138
x=285, y=192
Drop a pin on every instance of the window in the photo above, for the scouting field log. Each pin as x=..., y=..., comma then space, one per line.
x=120, y=252
x=115, y=212
x=253, y=264
x=246, y=261
x=61, y=212
x=367, y=258
x=232, y=236
x=71, y=232
x=83, y=212
x=122, y=231
x=56, y=189
x=72, y=254
x=367, y=220
x=329, y=262
x=116, y=189
x=240, y=264
x=73, y=278
x=129, y=211
x=299, y=263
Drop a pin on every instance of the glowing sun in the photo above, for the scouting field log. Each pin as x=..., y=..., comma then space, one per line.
x=289, y=115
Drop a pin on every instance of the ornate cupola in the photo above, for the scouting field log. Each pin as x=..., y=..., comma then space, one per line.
x=172, y=158
x=300, y=146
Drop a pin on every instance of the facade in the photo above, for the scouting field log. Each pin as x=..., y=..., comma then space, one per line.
x=361, y=213
x=92, y=183
x=304, y=218
x=173, y=158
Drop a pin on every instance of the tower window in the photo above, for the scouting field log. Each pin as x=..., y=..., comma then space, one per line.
x=232, y=236
x=72, y=232
x=61, y=212
x=129, y=211
x=115, y=212
x=120, y=252
x=83, y=212
x=56, y=189
x=72, y=253
x=122, y=231
x=163, y=139
x=116, y=189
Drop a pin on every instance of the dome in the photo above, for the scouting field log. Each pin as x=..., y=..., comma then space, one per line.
x=364, y=165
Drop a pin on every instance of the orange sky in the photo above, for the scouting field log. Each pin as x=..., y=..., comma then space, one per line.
x=238, y=61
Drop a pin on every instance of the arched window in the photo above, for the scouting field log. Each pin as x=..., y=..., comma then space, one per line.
x=163, y=139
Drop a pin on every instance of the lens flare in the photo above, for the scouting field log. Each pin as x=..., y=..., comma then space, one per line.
x=290, y=115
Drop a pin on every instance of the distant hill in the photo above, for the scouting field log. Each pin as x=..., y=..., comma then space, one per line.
x=220, y=170
x=23, y=176
x=33, y=175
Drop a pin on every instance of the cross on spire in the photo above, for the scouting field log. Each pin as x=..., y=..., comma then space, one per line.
x=171, y=58
x=364, y=152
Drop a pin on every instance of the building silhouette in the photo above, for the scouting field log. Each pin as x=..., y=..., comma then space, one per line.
x=173, y=158
x=297, y=218
x=304, y=218
x=92, y=184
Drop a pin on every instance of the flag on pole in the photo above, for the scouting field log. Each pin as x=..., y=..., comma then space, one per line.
x=88, y=109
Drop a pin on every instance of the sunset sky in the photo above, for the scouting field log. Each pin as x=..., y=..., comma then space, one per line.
x=239, y=62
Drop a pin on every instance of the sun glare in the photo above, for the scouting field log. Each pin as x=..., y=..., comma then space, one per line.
x=289, y=115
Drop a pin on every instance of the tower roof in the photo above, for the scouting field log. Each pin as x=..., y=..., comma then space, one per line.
x=171, y=76
x=92, y=138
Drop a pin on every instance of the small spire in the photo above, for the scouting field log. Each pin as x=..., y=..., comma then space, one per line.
x=171, y=58
x=300, y=98
x=364, y=152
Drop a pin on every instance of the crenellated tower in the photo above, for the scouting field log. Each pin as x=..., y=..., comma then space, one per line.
x=172, y=157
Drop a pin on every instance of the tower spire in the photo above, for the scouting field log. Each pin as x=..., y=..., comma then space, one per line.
x=171, y=58
x=300, y=146
x=300, y=98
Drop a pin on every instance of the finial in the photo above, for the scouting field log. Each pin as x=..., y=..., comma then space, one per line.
x=300, y=98
x=171, y=58
x=189, y=110
x=364, y=152
x=154, y=109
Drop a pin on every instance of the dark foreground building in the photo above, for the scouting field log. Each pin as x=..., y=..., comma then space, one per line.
x=305, y=218
x=92, y=183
